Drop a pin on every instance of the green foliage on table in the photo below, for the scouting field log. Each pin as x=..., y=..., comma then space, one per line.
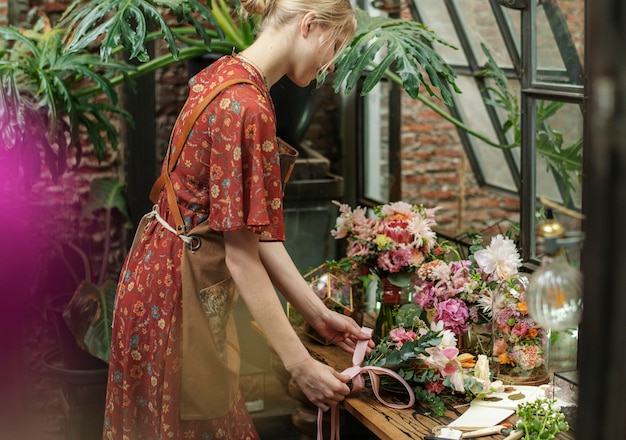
x=540, y=420
x=407, y=361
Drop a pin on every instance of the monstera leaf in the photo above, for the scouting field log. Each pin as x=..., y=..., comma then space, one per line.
x=114, y=23
x=89, y=315
x=406, y=46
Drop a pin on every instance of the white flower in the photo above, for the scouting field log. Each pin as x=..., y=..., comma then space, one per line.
x=496, y=387
x=425, y=237
x=456, y=379
x=481, y=370
x=500, y=258
x=448, y=338
x=485, y=302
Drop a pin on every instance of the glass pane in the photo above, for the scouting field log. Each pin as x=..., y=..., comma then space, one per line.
x=559, y=33
x=558, y=147
x=513, y=19
x=376, y=140
x=480, y=26
x=435, y=15
x=491, y=160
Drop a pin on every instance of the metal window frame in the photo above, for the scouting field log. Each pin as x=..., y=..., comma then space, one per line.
x=524, y=69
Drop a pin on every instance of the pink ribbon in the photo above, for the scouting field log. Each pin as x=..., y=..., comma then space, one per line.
x=356, y=372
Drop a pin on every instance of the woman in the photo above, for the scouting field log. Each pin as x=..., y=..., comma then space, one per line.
x=219, y=217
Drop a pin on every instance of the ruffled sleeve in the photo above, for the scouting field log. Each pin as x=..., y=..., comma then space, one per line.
x=244, y=186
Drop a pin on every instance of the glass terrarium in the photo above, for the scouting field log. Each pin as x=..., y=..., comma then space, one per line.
x=336, y=288
x=565, y=390
x=519, y=344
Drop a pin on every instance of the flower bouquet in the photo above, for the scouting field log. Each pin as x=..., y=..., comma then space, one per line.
x=456, y=293
x=392, y=243
x=519, y=344
x=427, y=357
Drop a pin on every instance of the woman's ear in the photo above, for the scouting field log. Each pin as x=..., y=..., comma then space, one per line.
x=308, y=20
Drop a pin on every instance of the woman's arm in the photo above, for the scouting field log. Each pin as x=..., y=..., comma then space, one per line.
x=335, y=327
x=322, y=385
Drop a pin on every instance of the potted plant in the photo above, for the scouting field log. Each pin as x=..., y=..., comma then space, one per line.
x=83, y=321
x=88, y=313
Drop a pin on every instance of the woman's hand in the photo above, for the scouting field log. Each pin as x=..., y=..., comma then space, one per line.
x=322, y=385
x=341, y=330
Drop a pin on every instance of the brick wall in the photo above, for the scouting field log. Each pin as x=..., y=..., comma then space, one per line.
x=436, y=172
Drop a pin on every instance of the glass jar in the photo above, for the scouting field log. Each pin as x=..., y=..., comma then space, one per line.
x=519, y=345
x=477, y=339
x=390, y=298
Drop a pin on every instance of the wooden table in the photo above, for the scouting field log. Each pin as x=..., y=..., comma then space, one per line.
x=386, y=423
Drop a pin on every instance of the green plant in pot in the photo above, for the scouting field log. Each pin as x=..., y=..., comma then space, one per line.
x=90, y=311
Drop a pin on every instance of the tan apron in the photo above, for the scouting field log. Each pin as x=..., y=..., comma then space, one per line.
x=210, y=348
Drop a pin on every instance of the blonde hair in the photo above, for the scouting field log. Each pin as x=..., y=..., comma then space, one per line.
x=336, y=15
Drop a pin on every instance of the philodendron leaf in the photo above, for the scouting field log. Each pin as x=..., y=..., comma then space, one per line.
x=114, y=23
x=106, y=193
x=381, y=42
x=89, y=316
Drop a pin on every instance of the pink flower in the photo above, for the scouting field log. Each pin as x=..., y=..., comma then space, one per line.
x=399, y=336
x=357, y=249
x=424, y=297
x=395, y=227
x=394, y=261
x=530, y=357
x=435, y=387
x=520, y=329
x=454, y=314
x=499, y=347
x=397, y=208
x=443, y=359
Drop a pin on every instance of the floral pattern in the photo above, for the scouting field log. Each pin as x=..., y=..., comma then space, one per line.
x=228, y=174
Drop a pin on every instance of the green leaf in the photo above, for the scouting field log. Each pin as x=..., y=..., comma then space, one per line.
x=406, y=44
x=563, y=162
x=89, y=317
x=106, y=193
x=111, y=23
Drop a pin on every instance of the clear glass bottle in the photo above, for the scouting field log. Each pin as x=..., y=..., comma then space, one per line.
x=555, y=293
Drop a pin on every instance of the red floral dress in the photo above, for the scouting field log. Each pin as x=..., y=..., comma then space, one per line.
x=229, y=174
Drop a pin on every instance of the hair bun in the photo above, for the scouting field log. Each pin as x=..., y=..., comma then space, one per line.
x=254, y=6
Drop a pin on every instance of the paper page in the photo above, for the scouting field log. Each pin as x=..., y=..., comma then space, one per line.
x=511, y=398
x=477, y=417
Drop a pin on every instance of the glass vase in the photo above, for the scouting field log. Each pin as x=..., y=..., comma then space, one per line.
x=519, y=344
x=477, y=339
x=390, y=298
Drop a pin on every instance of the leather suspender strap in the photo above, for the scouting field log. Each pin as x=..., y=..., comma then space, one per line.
x=174, y=151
